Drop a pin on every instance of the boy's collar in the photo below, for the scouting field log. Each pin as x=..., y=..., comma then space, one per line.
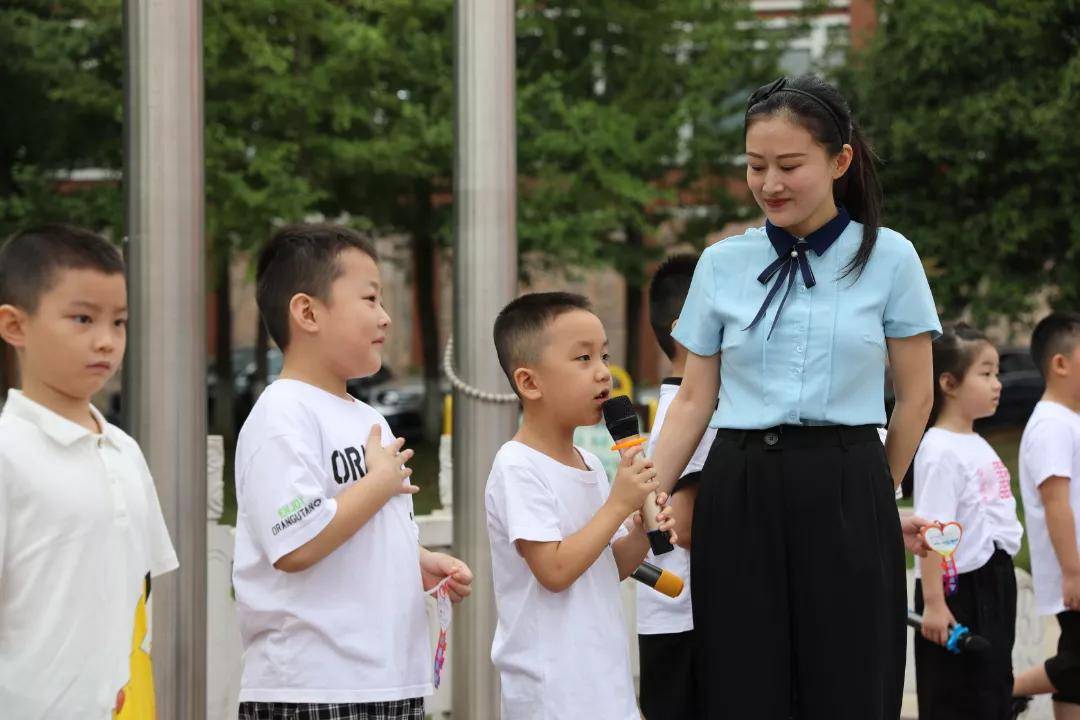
x=56, y=426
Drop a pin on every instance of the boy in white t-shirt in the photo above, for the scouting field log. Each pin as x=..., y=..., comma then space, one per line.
x=328, y=570
x=81, y=530
x=670, y=668
x=1049, y=474
x=558, y=545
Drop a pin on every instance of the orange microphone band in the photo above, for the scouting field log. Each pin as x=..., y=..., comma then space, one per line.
x=628, y=443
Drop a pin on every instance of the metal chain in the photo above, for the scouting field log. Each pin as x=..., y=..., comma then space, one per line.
x=464, y=387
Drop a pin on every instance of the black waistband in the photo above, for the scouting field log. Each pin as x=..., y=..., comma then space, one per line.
x=801, y=436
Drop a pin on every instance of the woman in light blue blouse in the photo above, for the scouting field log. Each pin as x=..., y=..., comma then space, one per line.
x=798, y=562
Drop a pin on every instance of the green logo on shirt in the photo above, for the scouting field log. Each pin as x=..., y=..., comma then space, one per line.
x=290, y=507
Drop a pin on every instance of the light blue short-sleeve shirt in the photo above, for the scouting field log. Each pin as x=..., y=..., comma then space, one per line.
x=825, y=361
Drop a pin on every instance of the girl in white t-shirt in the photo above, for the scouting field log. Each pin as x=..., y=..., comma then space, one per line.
x=958, y=476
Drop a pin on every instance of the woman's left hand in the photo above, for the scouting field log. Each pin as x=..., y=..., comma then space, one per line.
x=911, y=525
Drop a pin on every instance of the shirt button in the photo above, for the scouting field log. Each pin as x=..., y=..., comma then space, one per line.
x=771, y=439
x=798, y=348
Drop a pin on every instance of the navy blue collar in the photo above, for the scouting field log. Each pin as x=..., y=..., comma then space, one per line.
x=819, y=241
x=792, y=261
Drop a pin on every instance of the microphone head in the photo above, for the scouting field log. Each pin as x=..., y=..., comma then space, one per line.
x=620, y=417
x=973, y=643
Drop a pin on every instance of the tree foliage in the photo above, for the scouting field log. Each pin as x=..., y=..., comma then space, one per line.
x=974, y=107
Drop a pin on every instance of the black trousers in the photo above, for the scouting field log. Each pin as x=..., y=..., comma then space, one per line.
x=798, y=567
x=670, y=676
x=975, y=686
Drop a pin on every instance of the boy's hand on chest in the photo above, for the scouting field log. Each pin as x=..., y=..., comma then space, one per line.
x=387, y=472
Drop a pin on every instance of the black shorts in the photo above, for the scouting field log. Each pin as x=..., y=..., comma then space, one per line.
x=1064, y=668
x=408, y=709
x=670, y=676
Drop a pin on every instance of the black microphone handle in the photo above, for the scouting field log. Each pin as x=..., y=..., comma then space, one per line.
x=646, y=573
x=660, y=541
x=662, y=581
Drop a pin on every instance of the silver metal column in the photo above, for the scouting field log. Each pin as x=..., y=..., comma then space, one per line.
x=165, y=374
x=485, y=279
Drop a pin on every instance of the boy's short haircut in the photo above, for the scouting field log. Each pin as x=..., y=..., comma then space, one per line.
x=30, y=261
x=667, y=293
x=301, y=258
x=520, y=326
x=1055, y=334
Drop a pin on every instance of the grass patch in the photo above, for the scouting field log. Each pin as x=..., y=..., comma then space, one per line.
x=425, y=467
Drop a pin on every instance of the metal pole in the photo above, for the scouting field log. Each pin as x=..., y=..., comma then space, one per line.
x=165, y=376
x=485, y=279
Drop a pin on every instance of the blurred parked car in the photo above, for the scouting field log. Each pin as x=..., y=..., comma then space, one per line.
x=1021, y=387
x=400, y=401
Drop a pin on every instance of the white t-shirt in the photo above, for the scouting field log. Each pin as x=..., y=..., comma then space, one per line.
x=657, y=613
x=558, y=654
x=80, y=528
x=353, y=627
x=958, y=476
x=1049, y=448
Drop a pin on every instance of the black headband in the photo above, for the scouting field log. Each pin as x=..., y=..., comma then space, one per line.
x=765, y=92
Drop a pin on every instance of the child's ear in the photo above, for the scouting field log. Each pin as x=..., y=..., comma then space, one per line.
x=302, y=310
x=526, y=383
x=947, y=383
x=1058, y=365
x=13, y=325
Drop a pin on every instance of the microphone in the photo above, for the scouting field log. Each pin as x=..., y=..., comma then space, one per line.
x=622, y=422
x=659, y=579
x=961, y=639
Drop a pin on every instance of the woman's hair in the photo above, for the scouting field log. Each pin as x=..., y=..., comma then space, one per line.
x=819, y=107
x=954, y=353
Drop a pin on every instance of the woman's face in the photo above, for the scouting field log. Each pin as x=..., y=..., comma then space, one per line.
x=791, y=174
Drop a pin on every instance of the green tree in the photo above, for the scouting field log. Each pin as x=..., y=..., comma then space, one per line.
x=61, y=85
x=397, y=170
x=60, y=82
x=629, y=115
x=973, y=108
x=271, y=105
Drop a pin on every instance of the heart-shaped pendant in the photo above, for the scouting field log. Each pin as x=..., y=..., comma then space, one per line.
x=943, y=538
